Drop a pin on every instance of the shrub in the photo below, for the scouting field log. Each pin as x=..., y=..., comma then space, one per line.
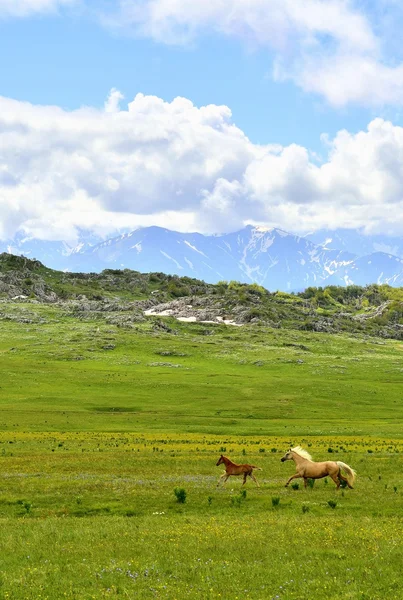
x=177, y=290
x=311, y=483
x=255, y=313
x=295, y=485
x=275, y=501
x=305, y=508
x=180, y=494
x=27, y=506
x=332, y=503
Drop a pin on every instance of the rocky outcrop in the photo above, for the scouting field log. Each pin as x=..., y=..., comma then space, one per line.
x=124, y=298
x=373, y=312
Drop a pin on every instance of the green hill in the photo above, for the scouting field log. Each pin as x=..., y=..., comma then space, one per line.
x=373, y=310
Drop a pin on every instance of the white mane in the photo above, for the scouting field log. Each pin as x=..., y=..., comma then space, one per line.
x=301, y=452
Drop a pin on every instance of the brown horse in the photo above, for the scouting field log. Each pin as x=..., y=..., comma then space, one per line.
x=234, y=469
x=307, y=469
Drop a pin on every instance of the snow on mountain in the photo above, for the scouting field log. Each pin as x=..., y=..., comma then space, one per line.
x=54, y=254
x=378, y=267
x=48, y=252
x=271, y=257
x=357, y=242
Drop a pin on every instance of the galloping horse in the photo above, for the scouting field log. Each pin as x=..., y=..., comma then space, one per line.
x=234, y=469
x=308, y=469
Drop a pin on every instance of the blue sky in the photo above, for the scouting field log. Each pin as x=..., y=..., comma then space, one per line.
x=73, y=61
x=288, y=75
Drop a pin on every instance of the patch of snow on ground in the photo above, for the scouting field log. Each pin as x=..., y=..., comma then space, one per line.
x=153, y=313
x=169, y=313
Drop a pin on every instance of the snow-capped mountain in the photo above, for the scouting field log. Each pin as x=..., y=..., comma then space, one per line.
x=357, y=242
x=54, y=254
x=271, y=257
x=378, y=267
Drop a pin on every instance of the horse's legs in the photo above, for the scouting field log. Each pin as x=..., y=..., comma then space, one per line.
x=345, y=479
x=224, y=476
x=244, y=478
x=305, y=482
x=336, y=479
x=293, y=477
x=254, y=479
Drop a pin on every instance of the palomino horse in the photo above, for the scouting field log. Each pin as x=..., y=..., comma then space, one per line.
x=308, y=469
x=234, y=469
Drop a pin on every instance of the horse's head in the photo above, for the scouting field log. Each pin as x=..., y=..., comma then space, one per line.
x=287, y=456
x=220, y=461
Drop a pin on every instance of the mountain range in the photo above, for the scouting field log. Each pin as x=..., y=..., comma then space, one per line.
x=273, y=258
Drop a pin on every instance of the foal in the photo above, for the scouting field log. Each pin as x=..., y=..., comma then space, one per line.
x=234, y=469
x=307, y=469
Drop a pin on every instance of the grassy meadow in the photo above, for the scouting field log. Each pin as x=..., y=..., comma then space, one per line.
x=99, y=424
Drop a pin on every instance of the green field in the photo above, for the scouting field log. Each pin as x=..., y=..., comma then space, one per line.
x=99, y=424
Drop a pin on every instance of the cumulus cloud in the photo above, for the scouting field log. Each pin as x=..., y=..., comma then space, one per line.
x=188, y=168
x=339, y=49
x=151, y=159
x=24, y=8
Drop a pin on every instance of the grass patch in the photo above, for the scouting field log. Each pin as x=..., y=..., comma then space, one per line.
x=91, y=451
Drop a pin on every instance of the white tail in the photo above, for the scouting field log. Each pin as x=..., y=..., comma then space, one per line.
x=351, y=474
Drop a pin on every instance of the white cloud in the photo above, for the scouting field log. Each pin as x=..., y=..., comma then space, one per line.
x=186, y=168
x=112, y=104
x=24, y=8
x=346, y=51
x=153, y=158
x=269, y=22
x=339, y=49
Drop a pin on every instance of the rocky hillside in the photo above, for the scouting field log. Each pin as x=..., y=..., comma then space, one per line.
x=126, y=296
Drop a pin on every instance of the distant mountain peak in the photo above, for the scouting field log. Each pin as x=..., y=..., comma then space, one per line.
x=269, y=256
